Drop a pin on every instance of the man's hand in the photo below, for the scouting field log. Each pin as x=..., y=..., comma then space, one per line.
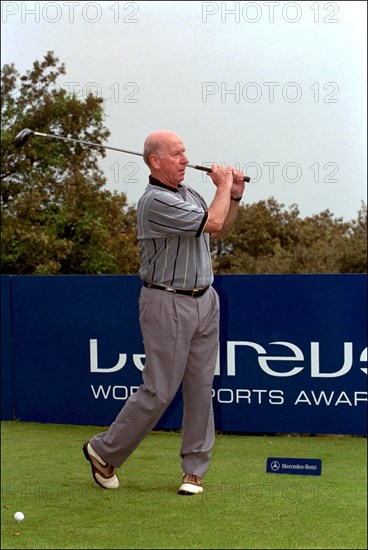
x=237, y=188
x=222, y=176
x=221, y=212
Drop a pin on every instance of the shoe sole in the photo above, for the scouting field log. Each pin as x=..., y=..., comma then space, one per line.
x=186, y=491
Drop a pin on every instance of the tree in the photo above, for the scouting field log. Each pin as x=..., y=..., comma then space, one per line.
x=57, y=218
x=354, y=250
x=268, y=238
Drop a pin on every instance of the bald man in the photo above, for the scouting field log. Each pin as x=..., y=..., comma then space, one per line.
x=178, y=313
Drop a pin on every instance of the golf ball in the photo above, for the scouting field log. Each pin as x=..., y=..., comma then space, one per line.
x=19, y=516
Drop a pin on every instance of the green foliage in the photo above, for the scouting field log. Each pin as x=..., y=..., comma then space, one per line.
x=57, y=218
x=268, y=238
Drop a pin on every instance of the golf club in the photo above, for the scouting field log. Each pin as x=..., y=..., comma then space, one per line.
x=24, y=135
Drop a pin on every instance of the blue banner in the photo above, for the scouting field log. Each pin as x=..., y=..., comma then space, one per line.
x=292, y=356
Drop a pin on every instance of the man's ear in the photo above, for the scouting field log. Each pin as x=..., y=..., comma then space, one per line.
x=154, y=161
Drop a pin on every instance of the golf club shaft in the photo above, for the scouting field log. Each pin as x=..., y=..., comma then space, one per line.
x=88, y=143
x=195, y=166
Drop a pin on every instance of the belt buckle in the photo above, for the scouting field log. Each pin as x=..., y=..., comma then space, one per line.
x=195, y=292
x=169, y=289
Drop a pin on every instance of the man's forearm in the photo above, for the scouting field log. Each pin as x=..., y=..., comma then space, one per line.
x=219, y=210
x=231, y=215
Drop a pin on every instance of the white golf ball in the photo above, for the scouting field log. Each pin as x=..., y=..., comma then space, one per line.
x=19, y=516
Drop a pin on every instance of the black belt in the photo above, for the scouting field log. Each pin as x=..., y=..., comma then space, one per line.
x=195, y=292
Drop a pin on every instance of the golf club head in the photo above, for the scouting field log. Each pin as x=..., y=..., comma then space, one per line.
x=23, y=136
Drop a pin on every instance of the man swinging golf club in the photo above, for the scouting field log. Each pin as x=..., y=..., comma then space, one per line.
x=178, y=312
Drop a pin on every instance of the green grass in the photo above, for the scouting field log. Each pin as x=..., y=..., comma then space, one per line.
x=45, y=475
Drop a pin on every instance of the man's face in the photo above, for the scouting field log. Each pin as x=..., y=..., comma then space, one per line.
x=171, y=161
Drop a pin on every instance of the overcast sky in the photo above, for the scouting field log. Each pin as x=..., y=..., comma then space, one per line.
x=278, y=89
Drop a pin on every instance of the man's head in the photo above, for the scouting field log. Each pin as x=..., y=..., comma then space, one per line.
x=163, y=153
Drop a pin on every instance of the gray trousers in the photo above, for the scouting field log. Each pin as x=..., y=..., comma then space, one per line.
x=180, y=335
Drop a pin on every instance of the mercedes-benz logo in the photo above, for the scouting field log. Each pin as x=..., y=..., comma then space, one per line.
x=275, y=465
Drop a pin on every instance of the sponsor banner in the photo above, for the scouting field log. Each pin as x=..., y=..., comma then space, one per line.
x=292, y=352
x=294, y=466
x=6, y=352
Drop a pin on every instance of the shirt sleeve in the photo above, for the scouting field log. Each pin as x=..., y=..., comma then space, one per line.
x=168, y=214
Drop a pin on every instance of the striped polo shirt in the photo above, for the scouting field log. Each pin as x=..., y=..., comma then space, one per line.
x=174, y=250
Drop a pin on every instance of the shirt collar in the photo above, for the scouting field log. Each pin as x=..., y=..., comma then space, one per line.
x=158, y=183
